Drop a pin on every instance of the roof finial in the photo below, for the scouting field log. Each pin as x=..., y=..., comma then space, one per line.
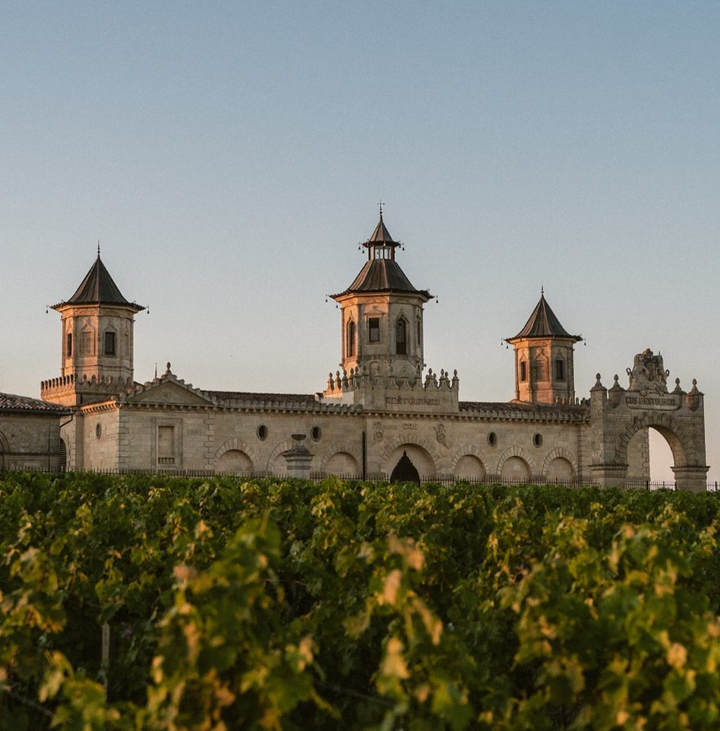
x=381, y=205
x=542, y=290
x=98, y=247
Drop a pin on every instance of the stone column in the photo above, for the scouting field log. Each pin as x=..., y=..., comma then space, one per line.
x=609, y=475
x=693, y=479
x=298, y=458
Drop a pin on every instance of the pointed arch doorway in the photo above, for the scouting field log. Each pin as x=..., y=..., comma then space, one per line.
x=405, y=471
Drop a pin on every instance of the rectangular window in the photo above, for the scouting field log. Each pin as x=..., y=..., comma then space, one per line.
x=166, y=445
x=109, y=343
x=374, y=332
x=523, y=370
x=68, y=345
x=87, y=342
x=559, y=369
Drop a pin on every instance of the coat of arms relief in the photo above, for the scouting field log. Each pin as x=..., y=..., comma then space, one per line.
x=648, y=374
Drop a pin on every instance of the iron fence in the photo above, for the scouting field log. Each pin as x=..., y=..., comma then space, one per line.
x=444, y=480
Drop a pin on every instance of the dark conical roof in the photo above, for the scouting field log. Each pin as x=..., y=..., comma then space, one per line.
x=98, y=288
x=383, y=275
x=543, y=323
x=381, y=235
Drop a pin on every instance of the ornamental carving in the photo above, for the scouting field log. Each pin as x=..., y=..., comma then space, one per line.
x=440, y=434
x=377, y=432
x=648, y=374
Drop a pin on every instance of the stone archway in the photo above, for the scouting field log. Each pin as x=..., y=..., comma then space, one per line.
x=618, y=414
x=468, y=464
x=516, y=465
x=343, y=464
x=235, y=455
x=234, y=461
x=420, y=451
x=560, y=466
x=341, y=458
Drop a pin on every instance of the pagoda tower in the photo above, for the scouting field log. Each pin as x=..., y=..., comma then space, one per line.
x=96, y=341
x=382, y=313
x=544, y=368
x=382, y=351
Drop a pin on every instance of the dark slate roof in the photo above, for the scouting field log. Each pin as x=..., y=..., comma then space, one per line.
x=516, y=406
x=98, y=288
x=381, y=235
x=383, y=275
x=11, y=402
x=543, y=323
x=283, y=398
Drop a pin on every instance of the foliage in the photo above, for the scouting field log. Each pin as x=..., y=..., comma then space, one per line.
x=293, y=605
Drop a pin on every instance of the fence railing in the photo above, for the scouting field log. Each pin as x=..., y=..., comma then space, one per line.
x=445, y=480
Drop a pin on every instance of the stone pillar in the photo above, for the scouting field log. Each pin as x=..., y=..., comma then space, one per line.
x=693, y=479
x=298, y=458
x=609, y=475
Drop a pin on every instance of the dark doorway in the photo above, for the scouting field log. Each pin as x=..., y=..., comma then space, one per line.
x=405, y=471
x=62, y=462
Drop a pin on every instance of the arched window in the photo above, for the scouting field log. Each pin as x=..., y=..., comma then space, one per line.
x=401, y=336
x=350, y=341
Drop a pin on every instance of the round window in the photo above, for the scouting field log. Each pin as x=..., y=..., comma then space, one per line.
x=316, y=433
x=492, y=438
x=537, y=440
x=98, y=431
x=262, y=432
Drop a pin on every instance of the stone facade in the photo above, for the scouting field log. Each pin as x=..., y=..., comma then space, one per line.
x=384, y=415
x=30, y=434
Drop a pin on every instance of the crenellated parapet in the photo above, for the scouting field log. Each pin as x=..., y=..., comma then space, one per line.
x=71, y=391
x=377, y=389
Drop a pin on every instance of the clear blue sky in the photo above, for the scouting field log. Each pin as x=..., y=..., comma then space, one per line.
x=230, y=155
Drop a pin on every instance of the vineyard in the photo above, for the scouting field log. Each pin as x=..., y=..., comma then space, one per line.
x=147, y=602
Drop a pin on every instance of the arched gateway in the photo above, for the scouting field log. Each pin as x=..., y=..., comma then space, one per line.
x=617, y=414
